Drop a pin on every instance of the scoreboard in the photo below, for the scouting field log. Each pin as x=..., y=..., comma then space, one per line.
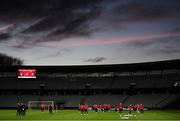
x=26, y=73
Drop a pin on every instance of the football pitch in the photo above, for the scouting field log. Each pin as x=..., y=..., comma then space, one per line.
x=76, y=115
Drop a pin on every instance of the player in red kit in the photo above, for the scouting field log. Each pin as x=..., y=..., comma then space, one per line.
x=116, y=108
x=101, y=107
x=105, y=107
x=137, y=107
x=109, y=107
x=82, y=109
x=141, y=107
x=120, y=107
x=130, y=108
x=95, y=107
x=42, y=106
x=50, y=109
x=86, y=109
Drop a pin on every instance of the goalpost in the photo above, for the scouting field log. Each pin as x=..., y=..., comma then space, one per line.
x=37, y=104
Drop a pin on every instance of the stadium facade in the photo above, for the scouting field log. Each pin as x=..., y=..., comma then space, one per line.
x=154, y=84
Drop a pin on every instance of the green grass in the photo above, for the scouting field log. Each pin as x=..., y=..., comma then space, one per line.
x=75, y=115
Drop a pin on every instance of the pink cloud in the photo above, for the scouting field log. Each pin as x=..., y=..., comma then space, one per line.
x=112, y=40
x=5, y=27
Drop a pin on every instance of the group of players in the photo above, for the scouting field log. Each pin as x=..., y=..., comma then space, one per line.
x=84, y=109
x=138, y=107
x=103, y=108
x=21, y=109
x=50, y=107
x=107, y=107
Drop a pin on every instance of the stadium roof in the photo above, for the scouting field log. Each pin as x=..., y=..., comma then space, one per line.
x=146, y=66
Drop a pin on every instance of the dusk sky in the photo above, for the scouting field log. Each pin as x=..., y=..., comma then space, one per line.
x=88, y=32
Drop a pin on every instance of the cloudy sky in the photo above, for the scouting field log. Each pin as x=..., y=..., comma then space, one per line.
x=87, y=32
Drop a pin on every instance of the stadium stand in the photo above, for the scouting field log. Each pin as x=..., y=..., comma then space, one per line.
x=149, y=83
x=149, y=100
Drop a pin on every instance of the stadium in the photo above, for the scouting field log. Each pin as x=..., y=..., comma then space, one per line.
x=153, y=84
x=89, y=60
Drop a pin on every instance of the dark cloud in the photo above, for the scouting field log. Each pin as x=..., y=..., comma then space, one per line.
x=61, y=18
x=22, y=46
x=117, y=15
x=167, y=46
x=78, y=27
x=140, y=43
x=4, y=36
x=5, y=31
x=167, y=51
x=176, y=29
x=169, y=42
x=147, y=10
x=51, y=55
x=96, y=59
